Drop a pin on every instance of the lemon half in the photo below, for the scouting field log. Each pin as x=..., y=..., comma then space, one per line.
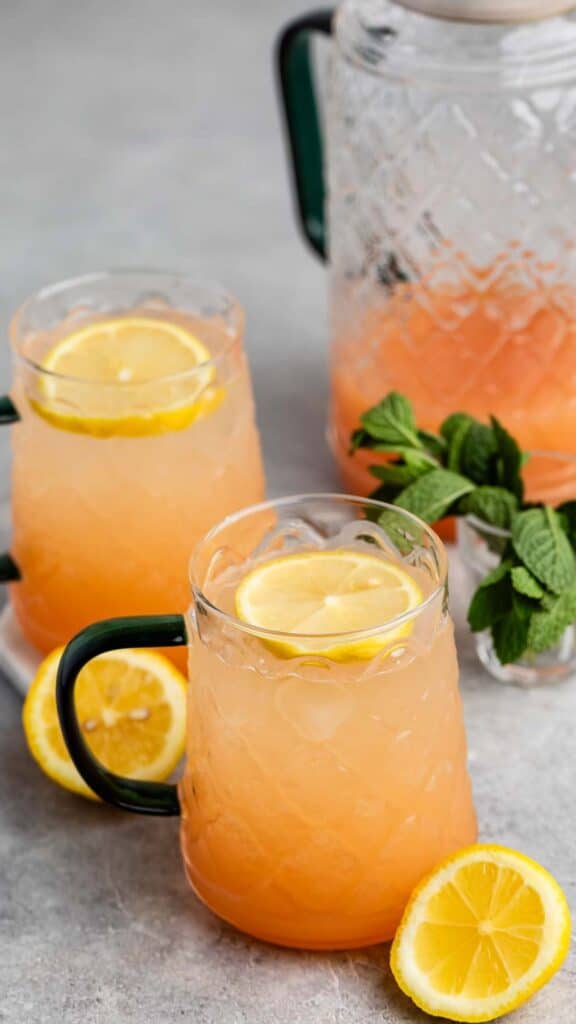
x=486, y=930
x=131, y=707
x=318, y=593
x=128, y=376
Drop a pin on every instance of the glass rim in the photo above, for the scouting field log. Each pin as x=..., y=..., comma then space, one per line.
x=98, y=276
x=326, y=639
x=488, y=529
x=550, y=58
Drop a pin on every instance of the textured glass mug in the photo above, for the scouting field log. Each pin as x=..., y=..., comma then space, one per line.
x=316, y=793
x=449, y=185
x=102, y=525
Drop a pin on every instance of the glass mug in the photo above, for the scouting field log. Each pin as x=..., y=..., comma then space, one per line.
x=317, y=793
x=104, y=513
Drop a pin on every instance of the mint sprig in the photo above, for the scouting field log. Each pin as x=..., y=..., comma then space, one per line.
x=475, y=469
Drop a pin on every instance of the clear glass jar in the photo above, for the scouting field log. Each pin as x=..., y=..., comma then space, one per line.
x=551, y=478
x=450, y=176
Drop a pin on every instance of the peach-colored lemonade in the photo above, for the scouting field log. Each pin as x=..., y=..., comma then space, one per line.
x=486, y=343
x=104, y=520
x=318, y=792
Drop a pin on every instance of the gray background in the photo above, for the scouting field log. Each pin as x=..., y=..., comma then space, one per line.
x=141, y=132
x=145, y=133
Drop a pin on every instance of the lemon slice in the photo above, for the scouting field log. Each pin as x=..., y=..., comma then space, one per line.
x=129, y=376
x=486, y=930
x=319, y=593
x=131, y=706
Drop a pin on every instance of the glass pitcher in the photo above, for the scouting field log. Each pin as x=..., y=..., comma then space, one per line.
x=450, y=219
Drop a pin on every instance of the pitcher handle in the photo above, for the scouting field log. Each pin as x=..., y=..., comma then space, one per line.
x=157, y=798
x=9, y=571
x=302, y=122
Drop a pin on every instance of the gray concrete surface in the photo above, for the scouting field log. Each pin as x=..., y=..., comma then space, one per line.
x=144, y=132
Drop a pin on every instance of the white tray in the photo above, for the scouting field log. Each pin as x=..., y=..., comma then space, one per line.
x=18, y=659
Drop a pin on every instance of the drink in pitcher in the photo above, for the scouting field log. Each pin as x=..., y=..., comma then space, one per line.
x=488, y=343
x=136, y=434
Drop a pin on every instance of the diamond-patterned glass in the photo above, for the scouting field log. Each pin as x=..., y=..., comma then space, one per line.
x=452, y=204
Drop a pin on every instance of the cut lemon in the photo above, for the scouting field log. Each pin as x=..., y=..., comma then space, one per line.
x=128, y=376
x=321, y=593
x=486, y=930
x=131, y=707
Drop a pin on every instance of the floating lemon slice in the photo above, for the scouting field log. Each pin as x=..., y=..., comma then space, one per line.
x=128, y=377
x=486, y=930
x=319, y=593
x=131, y=707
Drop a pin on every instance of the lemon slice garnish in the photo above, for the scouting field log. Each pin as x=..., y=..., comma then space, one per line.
x=319, y=593
x=486, y=930
x=129, y=376
x=131, y=706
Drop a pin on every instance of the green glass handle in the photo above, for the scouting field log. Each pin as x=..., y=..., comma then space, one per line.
x=8, y=411
x=302, y=122
x=158, y=798
x=9, y=571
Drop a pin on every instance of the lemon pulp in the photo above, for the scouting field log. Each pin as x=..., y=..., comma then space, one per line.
x=131, y=707
x=486, y=930
x=127, y=376
x=316, y=594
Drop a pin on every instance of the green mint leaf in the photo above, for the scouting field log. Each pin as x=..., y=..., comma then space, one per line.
x=456, y=443
x=540, y=542
x=525, y=607
x=397, y=475
x=510, y=636
x=510, y=460
x=419, y=459
x=434, y=494
x=548, y=626
x=408, y=454
x=567, y=513
x=454, y=423
x=493, y=505
x=477, y=451
x=392, y=422
x=492, y=601
x=385, y=493
x=548, y=601
x=495, y=575
x=404, y=535
x=359, y=439
x=435, y=444
x=525, y=583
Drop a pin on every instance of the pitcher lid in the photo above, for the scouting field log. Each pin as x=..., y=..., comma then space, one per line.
x=490, y=10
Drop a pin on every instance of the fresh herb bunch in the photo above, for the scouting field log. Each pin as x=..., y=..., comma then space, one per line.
x=475, y=469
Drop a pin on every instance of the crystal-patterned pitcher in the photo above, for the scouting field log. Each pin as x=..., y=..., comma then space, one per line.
x=451, y=208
